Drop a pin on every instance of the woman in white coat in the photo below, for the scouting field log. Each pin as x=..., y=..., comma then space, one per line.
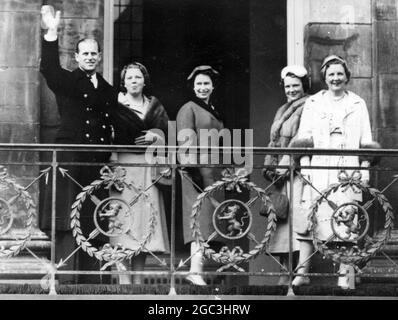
x=337, y=119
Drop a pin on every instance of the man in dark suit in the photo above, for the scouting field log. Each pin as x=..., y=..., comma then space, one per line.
x=85, y=101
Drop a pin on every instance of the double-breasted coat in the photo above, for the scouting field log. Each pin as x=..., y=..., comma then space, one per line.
x=85, y=116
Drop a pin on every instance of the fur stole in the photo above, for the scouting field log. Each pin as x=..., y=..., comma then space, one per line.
x=284, y=114
x=128, y=126
x=290, y=111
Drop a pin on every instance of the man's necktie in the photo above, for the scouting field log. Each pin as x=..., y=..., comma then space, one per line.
x=93, y=80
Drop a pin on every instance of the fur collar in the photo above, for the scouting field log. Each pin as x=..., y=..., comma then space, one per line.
x=207, y=107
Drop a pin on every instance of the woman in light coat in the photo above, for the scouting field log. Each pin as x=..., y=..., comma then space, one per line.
x=338, y=119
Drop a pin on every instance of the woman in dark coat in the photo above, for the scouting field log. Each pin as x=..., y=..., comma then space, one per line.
x=283, y=130
x=198, y=113
x=137, y=121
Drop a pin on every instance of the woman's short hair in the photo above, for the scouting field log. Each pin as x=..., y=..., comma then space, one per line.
x=206, y=70
x=296, y=71
x=334, y=59
x=135, y=65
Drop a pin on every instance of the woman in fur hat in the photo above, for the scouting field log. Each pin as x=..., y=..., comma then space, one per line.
x=295, y=82
x=334, y=118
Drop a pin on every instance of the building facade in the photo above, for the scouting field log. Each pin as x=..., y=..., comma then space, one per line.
x=248, y=41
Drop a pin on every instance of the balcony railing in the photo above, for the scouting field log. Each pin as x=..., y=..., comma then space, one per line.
x=360, y=228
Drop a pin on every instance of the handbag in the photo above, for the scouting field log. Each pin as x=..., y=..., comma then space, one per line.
x=280, y=202
x=301, y=221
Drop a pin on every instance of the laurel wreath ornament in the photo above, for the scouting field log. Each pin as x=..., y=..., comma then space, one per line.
x=111, y=254
x=30, y=218
x=235, y=181
x=353, y=254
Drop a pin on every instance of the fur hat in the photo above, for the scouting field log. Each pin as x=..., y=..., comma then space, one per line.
x=298, y=71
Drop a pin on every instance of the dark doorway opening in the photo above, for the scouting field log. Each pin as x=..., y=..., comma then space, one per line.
x=181, y=34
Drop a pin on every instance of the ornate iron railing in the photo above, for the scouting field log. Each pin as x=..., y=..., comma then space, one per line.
x=355, y=237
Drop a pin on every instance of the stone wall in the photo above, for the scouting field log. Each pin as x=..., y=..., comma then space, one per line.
x=19, y=77
x=20, y=91
x=20, y=118
x=387, y=67
x=342, y=27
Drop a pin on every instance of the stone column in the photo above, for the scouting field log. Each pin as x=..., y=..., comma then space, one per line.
x=20, y=117
x=386, y=115
x=386, y=120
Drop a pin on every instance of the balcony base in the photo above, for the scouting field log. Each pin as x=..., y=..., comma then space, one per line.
x=26, y=268
x=362, y=290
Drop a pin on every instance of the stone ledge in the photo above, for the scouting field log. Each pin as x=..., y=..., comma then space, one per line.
x=23, y=267
x=184, y=292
